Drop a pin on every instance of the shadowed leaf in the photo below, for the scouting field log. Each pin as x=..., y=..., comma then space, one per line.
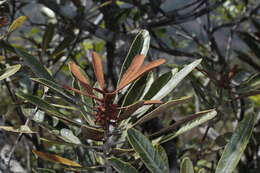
x=121, y=166
x=150, y=156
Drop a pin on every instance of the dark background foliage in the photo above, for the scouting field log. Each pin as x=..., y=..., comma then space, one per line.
x=225, y=33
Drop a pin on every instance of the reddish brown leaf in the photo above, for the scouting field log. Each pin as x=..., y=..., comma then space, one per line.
x=56, y=158
x=132, y=69
x=150, y=102
x=140, y=72
x=98, y=69
x=80, y=77
x=80, y=92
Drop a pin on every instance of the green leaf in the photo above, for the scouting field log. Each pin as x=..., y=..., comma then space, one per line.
x=47, y=37
x=168, y=87
x=164, y=107
x=187, y=124
x=237, y=144
x=121, y=166
x=37, y=67
x=16, y=23
x=163, y=154
x=159, y=83
x=175, y=80
x=140, y=45
x=186, y=166
x=20, y=129
x=68, y=136
x=46, y=107
x=9, y=71
x=149, y=155
x=251, y=42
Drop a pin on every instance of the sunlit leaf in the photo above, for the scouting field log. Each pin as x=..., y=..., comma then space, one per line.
x=55, y=158
x=80, y=77
x=134, y=67
x=186, y=166
x=121, y=166
x=237, y=144
x=140, y=72
x=139, y=46
x=20, y=129
x=98, y=69
x=186, y=123
x=68, y=136
x=9, y=71
x=156, y=112
x=149, y=155
x=16, y=23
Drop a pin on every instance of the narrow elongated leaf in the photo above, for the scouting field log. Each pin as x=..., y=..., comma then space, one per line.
x=20, y=129
x=156, y=112
x=186, y=166
x=75, y=70
x=140, y=72
x=55, y=158
x=9, y=71
x=159, y=83
x=186, y=123
x=156, y=86
x=149, y=155
x=121, y=166
x=134, y=67
x=46, y=107
x=57, y=88
x=139, y=46
x=98, y=69
x=134, y=92
x=47, y=37
x=16, y=23
x=175, y=80
x=237, y=144
x=37, y=67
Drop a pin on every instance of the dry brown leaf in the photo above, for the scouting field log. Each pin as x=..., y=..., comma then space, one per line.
x=56, y=158
x=98, y=69
x=80, y=77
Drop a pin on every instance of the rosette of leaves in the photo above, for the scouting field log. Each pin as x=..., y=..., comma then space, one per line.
x=105, y=119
